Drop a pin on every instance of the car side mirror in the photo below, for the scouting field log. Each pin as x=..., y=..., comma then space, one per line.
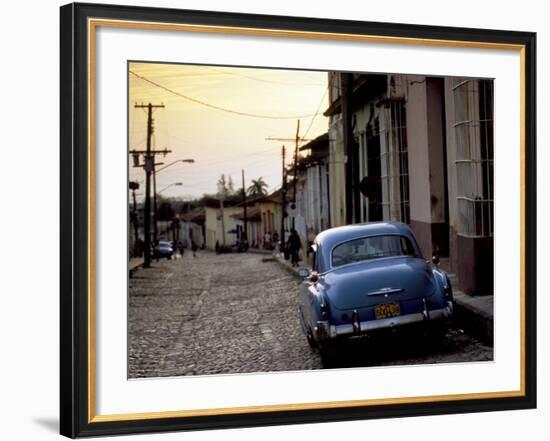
x=435, y=260
x=304, y=273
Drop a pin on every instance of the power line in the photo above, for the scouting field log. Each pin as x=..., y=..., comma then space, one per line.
x=262, y=80
x=317, y=112
x=264, y=153
x=213, y=106
x=230, y=169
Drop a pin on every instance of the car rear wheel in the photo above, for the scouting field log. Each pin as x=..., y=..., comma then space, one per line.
x=436, y=333
x=328, y=355
x=310, y=340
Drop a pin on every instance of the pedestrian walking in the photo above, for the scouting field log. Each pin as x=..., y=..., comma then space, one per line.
x=294, y=245
x=181, y=248
x=194, y=248
x=276, y=245
x=267, y=240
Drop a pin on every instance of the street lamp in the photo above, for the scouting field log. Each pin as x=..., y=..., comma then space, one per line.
x=173, y=184
x=188, y=161
x=155, y=171
x=132, y=185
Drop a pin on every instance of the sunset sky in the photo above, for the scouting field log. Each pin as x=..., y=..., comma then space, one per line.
x=220, y=141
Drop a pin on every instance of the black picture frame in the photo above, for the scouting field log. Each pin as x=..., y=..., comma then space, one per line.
x=76, y=419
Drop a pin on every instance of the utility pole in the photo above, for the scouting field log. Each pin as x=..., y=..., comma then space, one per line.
x=134, y=186
x=245, y=230
x=149, y=168
x=297, y=140
x=155, y=220
x=283, y=203
x=295, y=172
x=346, y=83
x=223, y=220
x=222, y=190
x=155, y=208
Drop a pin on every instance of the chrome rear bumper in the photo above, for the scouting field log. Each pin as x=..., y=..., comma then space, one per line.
x=326, y=331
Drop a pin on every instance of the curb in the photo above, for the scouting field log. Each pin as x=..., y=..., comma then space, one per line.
x=472, y=319
x=292, y=270
x=259, y=251
x=473, y=313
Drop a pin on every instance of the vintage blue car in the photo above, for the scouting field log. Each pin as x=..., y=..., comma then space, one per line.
x=370, y=277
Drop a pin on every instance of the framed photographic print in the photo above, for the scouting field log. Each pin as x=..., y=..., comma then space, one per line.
x=274, y=220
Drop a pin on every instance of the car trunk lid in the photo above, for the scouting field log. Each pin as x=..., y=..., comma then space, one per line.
x=371, y=282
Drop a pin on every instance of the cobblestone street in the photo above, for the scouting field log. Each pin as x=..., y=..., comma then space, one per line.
x=233, y=313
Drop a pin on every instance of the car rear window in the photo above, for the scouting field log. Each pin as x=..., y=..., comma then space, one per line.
x=373, y=247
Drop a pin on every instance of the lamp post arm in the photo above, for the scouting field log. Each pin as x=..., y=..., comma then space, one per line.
x=175, y=162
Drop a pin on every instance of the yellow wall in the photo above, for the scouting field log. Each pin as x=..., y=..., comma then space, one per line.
x=213, y=225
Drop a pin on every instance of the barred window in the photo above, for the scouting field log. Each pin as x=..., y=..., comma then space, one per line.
x=473, y=126
x=400, y=157
x=384, y=166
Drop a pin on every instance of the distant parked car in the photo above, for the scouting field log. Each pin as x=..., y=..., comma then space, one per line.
x=165, y=249
x=366, y=278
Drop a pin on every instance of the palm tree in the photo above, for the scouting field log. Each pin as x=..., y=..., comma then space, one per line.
x=258, y=187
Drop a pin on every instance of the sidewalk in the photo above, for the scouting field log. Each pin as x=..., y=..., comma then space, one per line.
x=136, y=263
x=259, y=251
x=471, y=313
x=287, y=265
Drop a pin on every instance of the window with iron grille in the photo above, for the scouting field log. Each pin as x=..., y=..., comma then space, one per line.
x=473, y=126
x=384, y=166
x=400, y=158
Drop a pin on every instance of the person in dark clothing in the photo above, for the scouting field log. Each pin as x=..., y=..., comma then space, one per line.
x=294, y=245
x=194, y=248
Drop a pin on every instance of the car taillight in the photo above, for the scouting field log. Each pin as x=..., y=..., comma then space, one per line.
x=314, y=277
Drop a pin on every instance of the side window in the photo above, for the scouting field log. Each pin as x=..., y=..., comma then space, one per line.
x=407, y=247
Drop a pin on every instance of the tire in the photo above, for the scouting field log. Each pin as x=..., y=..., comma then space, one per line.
x=311, y=341
x=329, y=354
x=436, y=334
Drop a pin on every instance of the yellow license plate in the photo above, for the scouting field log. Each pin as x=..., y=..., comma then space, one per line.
x=387, y=310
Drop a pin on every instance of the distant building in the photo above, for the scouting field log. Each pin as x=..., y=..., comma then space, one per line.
x=263, y=216
x=222, y=228
x=309, y=211
x=419, y=150
x=192, y=227
x=313, y=186
x=254, y=224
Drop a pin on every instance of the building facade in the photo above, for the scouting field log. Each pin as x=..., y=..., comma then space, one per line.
x=311, y=214
x=418, y=150
x=263, y=220
x=221, y=226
